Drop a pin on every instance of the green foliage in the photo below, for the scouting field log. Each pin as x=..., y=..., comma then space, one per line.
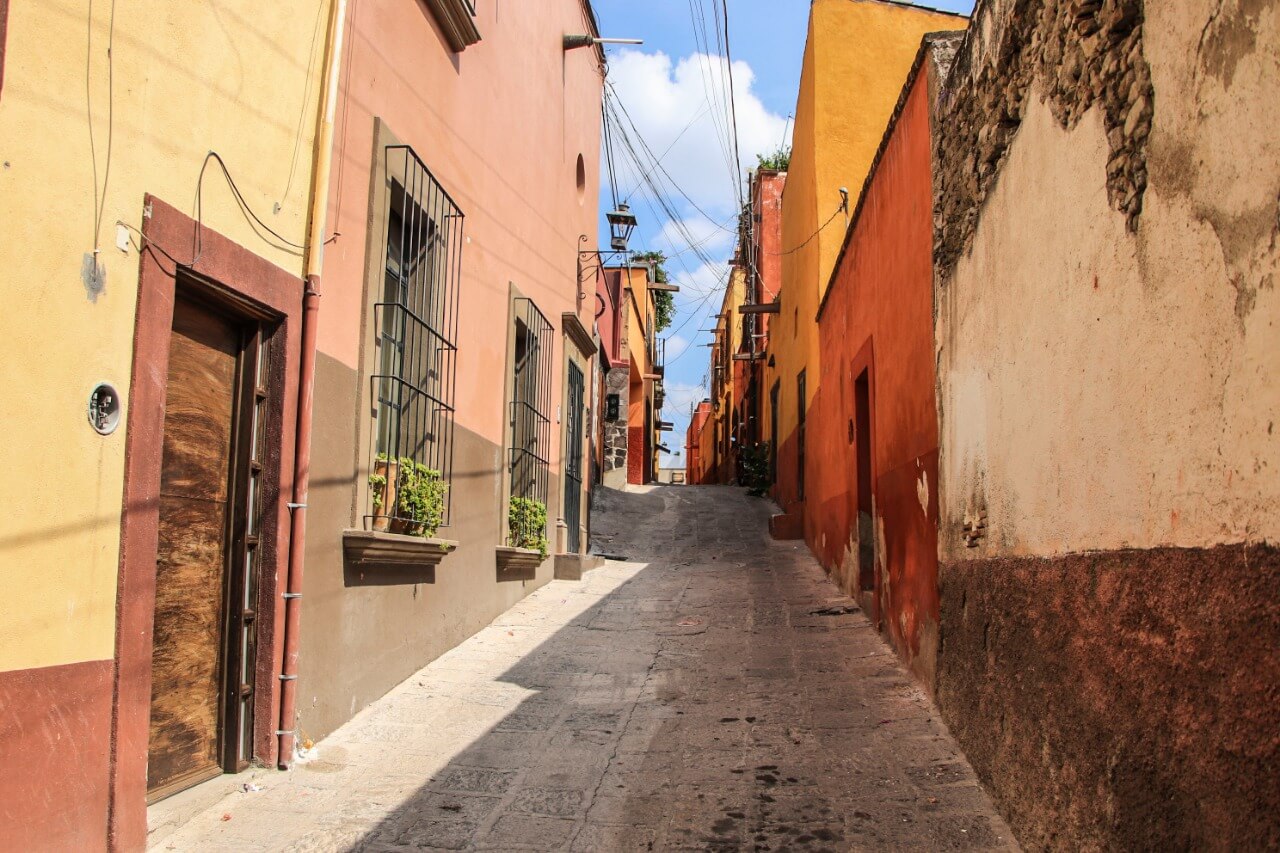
x=527, y=525
x=664, y=303
x=755, y=469
x=420, y=495
x=378, y=484
x=778, y=161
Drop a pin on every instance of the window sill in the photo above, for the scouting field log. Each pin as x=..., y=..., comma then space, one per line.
x=457, y=22
x=516, y=559
x=368, y=548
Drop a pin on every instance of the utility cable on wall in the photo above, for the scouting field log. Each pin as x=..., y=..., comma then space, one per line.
x=844, y=206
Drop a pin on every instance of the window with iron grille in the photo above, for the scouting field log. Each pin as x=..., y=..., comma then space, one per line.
x=529, y=464
x=416, y=322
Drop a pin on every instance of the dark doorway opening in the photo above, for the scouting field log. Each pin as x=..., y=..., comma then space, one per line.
x=866, y=512
x=800, y=409
x=573, y=459
x=773, y=430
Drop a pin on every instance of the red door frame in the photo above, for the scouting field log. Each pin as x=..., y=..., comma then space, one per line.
x=238, y=276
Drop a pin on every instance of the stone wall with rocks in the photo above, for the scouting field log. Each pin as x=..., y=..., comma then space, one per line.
x=1077, y=53
x=617, y=381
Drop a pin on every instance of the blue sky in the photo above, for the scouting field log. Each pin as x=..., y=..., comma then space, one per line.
x=664, y=87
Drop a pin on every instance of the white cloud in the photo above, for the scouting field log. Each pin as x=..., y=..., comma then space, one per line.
x=693, y=236
x=687, y=127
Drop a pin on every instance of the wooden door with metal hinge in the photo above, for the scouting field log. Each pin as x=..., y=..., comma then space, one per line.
x=204, y=635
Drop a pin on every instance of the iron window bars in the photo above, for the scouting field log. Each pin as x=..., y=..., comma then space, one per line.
x=417, y=325
x=530, y=403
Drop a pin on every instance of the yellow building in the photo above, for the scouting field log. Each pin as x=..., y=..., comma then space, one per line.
x=110, y=120
x=728, y=378
x=856, y=58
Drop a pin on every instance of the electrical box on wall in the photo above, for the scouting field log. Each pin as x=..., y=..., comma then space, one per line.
x=611, y=406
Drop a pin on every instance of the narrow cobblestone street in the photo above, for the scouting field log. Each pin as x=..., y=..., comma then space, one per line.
x=712, y=690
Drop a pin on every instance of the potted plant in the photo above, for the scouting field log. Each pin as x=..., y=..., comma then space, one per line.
x=382, y=484
x=420, y=493
x=527, y=525
x=755, y=469
x=527, y=544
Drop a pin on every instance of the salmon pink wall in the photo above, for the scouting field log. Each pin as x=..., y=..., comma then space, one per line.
x=512, y=170
x=878, y=317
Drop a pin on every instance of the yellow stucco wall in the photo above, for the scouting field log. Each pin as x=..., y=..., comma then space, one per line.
x=855, y=63
x=730, y=324
x=232, y=76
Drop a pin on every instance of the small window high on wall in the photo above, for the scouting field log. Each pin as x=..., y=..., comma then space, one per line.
x=416, y=323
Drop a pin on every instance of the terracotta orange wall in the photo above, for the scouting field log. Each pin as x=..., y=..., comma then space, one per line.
x=693, y=444
x=768, y=204
x=878, y=316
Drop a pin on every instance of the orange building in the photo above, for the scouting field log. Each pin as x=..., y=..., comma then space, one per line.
x=872, y=505
x=453, y=334
x=633, y=382
x=695, y=463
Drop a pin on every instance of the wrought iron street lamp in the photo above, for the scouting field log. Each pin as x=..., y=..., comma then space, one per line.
x=621, y=223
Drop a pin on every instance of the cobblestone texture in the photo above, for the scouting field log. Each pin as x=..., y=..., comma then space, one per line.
x=712, y=692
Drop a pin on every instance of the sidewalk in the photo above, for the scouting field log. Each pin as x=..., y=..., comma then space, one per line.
x=712, y=692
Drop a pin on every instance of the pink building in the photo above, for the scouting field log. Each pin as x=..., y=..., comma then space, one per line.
x=451, y=334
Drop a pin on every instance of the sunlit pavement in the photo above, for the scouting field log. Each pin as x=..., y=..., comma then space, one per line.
x=711, y=691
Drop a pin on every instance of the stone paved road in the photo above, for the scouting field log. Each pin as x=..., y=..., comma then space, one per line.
x=713, y=692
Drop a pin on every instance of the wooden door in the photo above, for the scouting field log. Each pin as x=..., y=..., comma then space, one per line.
x=197, y=511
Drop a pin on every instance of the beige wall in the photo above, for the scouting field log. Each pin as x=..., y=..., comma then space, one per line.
x=235, y=77
x=1104, y=389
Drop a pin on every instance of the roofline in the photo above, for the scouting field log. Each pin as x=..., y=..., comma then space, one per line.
x=926, y=42
x=921, y=7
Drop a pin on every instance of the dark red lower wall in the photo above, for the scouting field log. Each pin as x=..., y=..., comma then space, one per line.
x=635, y=455
x=55, y=746
x=1120, y=700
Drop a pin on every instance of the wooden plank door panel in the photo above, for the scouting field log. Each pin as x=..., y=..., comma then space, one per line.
x=191, y=562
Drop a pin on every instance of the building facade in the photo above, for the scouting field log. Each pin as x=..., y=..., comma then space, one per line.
x=155, y=293
x=1106, y=183
x=452, y=336
x=872, y=511
x=157, y=633
x=697, y=463
x=631, y=425
x=857, y=55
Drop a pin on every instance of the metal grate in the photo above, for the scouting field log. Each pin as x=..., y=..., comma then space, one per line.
x=417, y=325
x=530, y=403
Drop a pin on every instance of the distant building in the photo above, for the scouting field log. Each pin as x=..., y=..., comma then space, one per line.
x=634, y=380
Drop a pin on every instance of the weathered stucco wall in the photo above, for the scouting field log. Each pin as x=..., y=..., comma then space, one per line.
x=1106, y=332
x=1106, y=388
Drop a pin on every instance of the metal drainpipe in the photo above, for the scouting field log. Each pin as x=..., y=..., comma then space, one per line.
x=306, y=385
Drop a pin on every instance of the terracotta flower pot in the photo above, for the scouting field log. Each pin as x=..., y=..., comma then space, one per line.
x=389, y=470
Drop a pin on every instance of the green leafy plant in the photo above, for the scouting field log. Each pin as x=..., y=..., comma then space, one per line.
x=777, y=161
x=378, y=483
x=527, y=525
x=664, y=303
x=755, y=469
x=420, y=493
